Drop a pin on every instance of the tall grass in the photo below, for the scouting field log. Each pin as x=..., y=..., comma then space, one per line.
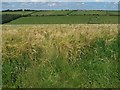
x=0, y=56
x=60, y=56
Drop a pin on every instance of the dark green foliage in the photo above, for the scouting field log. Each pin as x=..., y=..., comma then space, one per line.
x=9, y=17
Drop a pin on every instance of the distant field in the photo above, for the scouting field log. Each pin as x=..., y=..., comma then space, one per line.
x=18, y=12
x=61, y=17
x=63, y=12
x=51, y=12
x=103, y=19
x=66, y=20
x=51, y=20
x=113, y=13
x=88, y=13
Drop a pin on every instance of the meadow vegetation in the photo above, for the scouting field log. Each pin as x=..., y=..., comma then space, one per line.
x=60, y=17
x=59, y=56
x=66, y=20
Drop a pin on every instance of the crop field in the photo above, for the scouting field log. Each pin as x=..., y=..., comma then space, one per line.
x=88, y=12
x=63, y=12
x=66, y=20
x=50, y=12
x=60, y=56
x=60, y=49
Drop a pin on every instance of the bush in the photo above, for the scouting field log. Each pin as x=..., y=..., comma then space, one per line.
x=9, y=17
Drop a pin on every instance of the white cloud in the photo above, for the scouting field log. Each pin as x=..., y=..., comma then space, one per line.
x=97, y=0
x=83, y=3
x=51, y=4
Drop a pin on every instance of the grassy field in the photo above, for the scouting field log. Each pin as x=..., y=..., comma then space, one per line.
x=79, y=56
x=61, y=17
x=103, y=20
x=63, y=12
x=51, y=20
x=66, y=20
x=113, y=13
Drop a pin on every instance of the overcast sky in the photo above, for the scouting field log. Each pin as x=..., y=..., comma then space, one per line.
x=59, y=0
